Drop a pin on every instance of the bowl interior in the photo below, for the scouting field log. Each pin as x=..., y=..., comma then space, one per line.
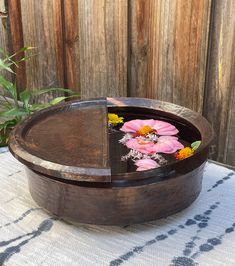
x=188, y=133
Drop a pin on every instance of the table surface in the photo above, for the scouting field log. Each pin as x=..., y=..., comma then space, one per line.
x=203, y=234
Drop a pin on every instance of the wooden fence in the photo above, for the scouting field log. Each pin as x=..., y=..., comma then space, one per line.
x=182, y=51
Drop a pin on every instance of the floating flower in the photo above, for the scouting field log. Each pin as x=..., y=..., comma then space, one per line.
x=184, y=153
x=144, y=127
x=146, y=164
x=141, y=145
x=114, y=119
x=168, y=144
x=165, y=144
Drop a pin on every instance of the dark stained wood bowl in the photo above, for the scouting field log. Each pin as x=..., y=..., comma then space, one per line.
x=74, y=168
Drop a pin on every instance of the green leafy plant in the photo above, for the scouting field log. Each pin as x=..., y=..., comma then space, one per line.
x=13, y=107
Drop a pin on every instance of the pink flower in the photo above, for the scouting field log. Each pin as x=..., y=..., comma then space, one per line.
x=168, y=144
x=140, y=145
x=143, y=127
x=165, y=144
x=145, y=164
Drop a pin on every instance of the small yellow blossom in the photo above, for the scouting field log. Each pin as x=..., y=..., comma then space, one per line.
x=114, y=119
x=184, y=153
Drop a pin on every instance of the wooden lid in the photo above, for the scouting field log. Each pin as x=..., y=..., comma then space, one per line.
x=70, y=140
x=66, y=141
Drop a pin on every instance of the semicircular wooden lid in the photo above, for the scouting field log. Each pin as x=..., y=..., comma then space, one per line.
x=66, y=141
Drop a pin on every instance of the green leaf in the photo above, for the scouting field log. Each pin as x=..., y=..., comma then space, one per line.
x=42, y=91
x=195, y=145
x=25, y=98
x=58, y=100
x=38, y=106
x=26, y=58
x=15, y=112
x=5, y=104
x=10, y=87
x=23, y=49
x=5, y=66
x=3, y=140
x=9, y=124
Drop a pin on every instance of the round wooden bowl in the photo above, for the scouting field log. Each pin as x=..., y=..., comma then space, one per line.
x=74, y=168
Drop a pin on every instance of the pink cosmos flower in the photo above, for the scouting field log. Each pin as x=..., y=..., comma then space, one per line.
x=146, y=164
x=144, y=127
x=165, y=144
x=140, y=145
x=168, y=144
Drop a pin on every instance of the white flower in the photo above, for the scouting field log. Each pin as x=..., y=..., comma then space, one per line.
x=125, y=138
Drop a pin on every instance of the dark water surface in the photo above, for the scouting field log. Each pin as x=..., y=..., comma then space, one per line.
x=187, y=134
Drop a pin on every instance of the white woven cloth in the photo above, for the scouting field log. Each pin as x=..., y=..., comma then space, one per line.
x=203, y=234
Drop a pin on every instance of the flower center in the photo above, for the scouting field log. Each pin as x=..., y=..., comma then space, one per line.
x=145, y=130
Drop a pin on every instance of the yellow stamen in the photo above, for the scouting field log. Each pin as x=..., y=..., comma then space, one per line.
x=145, y=130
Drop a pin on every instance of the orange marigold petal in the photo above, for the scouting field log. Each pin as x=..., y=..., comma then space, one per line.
x=184, y=153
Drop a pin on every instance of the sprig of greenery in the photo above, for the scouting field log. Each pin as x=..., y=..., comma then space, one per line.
x=14, y=108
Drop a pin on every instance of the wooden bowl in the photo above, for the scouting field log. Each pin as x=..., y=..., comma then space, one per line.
x=74, y=168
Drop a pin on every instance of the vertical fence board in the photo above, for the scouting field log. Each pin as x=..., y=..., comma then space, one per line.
x=103, y=49
x=71, y=45
x=139, y=47
x=4, y=31
x=219, y=102
x=168, y=50
x=3, y=27
x=17, y=42
x=42, y=27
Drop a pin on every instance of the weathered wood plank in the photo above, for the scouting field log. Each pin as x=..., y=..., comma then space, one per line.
x=42, y=27
x=71, y=45
x=4, y=34
x=3, y=26
x=103, y=49
x=17, y=42
x=219, y=102
x=168, y=50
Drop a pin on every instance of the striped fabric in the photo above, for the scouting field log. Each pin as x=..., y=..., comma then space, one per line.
x=203, y=234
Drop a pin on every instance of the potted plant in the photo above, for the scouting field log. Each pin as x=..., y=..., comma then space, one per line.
x=13, y=106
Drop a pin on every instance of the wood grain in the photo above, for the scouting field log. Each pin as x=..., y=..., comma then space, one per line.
x=71, y=45
x=4, y=34
x=115, y=205
x=3, y=27
x=219, y=103
x=143, y=48
x=103, y=49
x=17, y=42
x=168, y=50
x=42, y=27
x=79, y=127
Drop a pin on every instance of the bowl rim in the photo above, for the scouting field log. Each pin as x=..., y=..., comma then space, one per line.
x=105, y=174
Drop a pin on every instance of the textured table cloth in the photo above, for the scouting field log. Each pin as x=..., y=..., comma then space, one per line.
x=203, y=234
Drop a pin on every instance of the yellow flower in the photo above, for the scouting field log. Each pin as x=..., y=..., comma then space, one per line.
x=114, y=119
x=184, y=153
